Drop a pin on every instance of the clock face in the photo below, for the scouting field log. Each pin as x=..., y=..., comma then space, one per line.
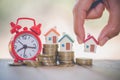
x=26, y=46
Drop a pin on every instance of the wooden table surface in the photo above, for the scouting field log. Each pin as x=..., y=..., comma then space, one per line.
x=101, y=70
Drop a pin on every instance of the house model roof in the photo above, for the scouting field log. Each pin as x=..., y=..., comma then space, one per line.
x=52, y=30
x=90, y=37
x=66, y=35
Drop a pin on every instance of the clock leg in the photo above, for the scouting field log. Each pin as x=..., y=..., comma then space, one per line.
x=34, y=59
x=15, y=60
x=16, y=63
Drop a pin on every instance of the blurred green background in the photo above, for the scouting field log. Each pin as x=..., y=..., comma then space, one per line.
x=54, y=13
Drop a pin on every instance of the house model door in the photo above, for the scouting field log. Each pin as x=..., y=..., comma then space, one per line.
x=54, y=39
x=92, y=48
x=67, y=46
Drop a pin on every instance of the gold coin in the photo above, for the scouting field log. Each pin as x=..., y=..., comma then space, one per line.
x=63, y=57
x=65, y=52
x=46, y=58
x=84, y=61
x=50, y=52
x=46, y=55
x=66, y=59
x=48, y=64
x=48, y=61
x=66, y=65
x=16, y=64
x=50, y=49
x=50, y=45
x=69, y=54
x=66, y=62
x=31, y=63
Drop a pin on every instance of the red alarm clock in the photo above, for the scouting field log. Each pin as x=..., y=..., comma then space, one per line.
x=26, y=44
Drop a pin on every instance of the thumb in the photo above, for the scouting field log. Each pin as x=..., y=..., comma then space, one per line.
x=110, y=30
x=113, y=27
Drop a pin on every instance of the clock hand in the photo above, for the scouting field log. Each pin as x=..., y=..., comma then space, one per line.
x=31, y=47
x=20, y=42
x=24, y=52
x=20, y=49
x=24, y=47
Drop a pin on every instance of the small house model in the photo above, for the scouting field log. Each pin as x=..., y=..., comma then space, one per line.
x=66, y=43
x=51, y=36
x=90, y=44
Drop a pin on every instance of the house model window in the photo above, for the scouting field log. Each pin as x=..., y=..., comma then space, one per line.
x=63, y=45
x=49, y=39
x=87, y=46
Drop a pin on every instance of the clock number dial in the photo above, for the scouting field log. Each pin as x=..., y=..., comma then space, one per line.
x=26, y=46
x=24, y=37
x=20, y=42
x=15, y=46
x=34, y=46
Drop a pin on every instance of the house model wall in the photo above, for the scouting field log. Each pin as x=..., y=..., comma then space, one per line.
x=90, y=44
x=66, y=43
x=51, y=37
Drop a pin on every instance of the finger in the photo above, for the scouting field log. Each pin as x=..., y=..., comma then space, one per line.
x=109, y=31
x=96, y=12
x=79, y=13
x=113, y=27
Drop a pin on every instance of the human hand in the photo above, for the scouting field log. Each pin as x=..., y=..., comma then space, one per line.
x=82, y=11
x=113, y=26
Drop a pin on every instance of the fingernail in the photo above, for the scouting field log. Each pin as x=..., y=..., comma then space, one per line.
x=103, y=41
x=79, y=40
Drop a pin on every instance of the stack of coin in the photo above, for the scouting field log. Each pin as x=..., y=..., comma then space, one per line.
x=51, y=49
x=66, y=58
x=46, y=60
x=16, y=63
x=31, y=63
x=84, y=61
